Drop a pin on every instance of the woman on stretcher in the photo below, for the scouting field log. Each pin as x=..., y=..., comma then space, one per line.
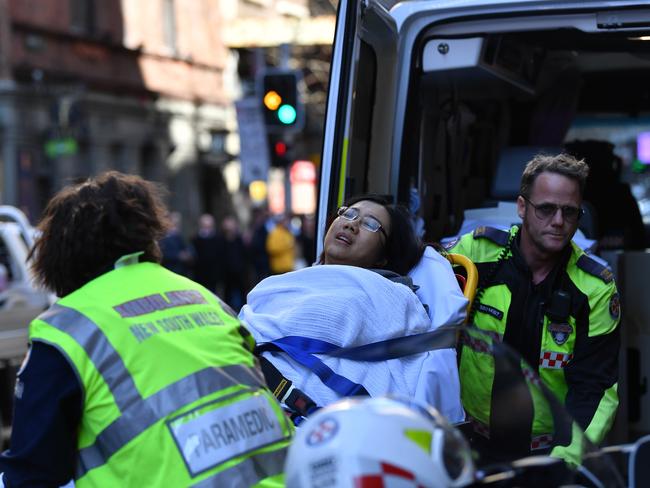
x=374, y=281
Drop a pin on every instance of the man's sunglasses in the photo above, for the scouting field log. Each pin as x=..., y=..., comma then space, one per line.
x=546, y=211
x=368, y=222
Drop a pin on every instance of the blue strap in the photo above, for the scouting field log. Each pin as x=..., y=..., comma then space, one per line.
x=300, y=349
x=443, y=337
x=307, y=344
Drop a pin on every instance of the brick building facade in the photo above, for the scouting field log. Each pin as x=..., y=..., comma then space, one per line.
x=137, y=86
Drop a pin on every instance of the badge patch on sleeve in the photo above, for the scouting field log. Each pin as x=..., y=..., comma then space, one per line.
x=615, y=306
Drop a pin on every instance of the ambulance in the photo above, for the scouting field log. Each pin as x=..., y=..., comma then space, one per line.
x=440, y=103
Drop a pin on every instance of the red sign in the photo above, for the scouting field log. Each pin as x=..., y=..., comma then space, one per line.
x=303, y=172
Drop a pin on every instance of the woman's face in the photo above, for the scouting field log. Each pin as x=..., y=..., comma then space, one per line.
x=348, y=242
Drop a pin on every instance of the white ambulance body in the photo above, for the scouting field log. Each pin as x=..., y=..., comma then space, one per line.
x=442, y=102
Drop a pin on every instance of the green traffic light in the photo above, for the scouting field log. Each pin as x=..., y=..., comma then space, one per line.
x=287, y=114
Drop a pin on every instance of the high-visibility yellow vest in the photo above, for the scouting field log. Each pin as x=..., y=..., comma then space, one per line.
x=171, y=393
x=485, y=247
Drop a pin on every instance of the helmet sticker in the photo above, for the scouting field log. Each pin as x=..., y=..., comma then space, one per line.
x=324, y=471
x=325, y=430
x=422, y=438
x=389, y=475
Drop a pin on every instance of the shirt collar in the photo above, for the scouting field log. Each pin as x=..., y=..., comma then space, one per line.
x=128, y=259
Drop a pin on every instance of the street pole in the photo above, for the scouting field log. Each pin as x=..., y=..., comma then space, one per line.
x=7, y=112
x=285, y=54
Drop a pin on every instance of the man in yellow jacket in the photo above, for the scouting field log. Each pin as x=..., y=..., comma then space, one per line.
x=136, y=376
x=550, y=301
x=281, y=247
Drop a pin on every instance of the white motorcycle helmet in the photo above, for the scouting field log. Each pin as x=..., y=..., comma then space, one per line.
x=378, y=442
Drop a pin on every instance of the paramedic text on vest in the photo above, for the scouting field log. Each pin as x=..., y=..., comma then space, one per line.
x=136, y=376
x=549, y=300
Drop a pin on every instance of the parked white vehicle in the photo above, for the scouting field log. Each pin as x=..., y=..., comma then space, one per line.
x=20, y=301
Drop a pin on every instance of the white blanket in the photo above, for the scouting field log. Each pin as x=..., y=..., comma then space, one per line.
x=439, y=289
x=351, y=306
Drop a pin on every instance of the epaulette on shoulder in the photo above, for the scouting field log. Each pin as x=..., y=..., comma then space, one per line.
x=497, y=236
x=594, y=268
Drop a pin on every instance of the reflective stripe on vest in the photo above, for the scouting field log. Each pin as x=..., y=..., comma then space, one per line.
x=479, y=344
x=554, y=360
x=543, y=441
x=247, y=473
x=138, y=413
x=530, y=374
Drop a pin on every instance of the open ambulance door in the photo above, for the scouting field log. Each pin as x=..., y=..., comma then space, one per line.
x=363, y=67
x=424, y=96
x=442, y=102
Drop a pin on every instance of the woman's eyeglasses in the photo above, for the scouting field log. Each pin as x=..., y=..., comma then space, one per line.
x=546, y=211
x=368, y=222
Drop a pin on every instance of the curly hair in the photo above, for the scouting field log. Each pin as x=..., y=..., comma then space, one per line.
x=403, y=249
x=88, y=226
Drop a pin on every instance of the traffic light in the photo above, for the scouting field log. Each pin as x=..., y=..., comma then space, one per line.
x=280, y=152
x=281, y=105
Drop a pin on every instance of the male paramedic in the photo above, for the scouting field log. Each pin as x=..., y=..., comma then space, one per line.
x=554, y=304
x=136, y=376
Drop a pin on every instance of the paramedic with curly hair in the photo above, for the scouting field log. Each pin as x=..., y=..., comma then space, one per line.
x=136, y=376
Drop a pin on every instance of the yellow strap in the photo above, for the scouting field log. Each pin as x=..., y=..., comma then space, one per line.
x=278, y=391
x=472, y=275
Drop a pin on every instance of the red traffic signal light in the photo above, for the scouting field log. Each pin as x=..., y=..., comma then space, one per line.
x=280, y=152
x=280, y=148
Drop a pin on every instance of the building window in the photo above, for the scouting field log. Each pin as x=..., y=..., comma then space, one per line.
x=169, y=25
x=83, y=16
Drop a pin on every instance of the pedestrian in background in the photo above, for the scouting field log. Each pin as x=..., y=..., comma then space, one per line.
x=281, y=246
x=176, y=253
x=208, y=250
x=259, y=257
x=618, y=221
x=307, y=239
x=235, y=263
x=127, y=368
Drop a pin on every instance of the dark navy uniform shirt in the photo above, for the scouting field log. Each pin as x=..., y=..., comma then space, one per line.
x=47, y=411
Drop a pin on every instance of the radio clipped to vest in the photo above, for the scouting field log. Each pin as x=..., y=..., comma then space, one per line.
x=558, y=313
